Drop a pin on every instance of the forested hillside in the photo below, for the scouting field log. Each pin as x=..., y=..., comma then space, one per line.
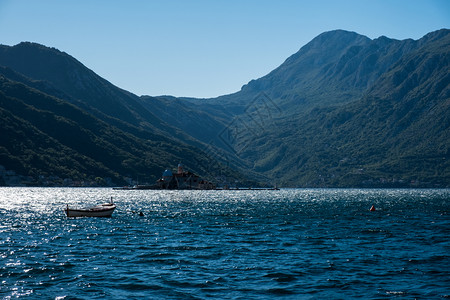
x=58, y=128
x=344, y=111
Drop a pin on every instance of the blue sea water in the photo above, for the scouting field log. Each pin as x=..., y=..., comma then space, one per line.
x=288, y=244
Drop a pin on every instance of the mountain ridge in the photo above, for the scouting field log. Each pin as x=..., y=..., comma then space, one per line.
x=386, y=56
x=343, y=111
x=96, y=139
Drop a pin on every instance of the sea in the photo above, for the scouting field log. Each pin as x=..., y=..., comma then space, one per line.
x=235, y=244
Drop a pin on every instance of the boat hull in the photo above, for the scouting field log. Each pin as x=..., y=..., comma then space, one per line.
x=104, y=212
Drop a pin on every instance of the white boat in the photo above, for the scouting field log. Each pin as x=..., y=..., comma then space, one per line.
x=101, y=210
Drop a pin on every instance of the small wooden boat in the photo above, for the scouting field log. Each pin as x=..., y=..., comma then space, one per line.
x=101, y=210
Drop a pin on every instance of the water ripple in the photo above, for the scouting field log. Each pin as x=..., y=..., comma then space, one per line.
x=294, y=244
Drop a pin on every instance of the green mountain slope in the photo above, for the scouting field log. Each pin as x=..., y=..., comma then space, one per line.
x=395, y=134
x=333, y=68
x=62, y=76
x=346, y=111
x=68, y=75
x=44, y=136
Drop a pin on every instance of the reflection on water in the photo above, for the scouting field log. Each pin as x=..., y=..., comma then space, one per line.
x=299, y=243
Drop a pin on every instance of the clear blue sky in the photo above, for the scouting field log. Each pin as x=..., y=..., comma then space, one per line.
x=202, y=48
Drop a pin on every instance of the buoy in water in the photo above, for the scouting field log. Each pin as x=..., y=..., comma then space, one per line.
x=372, y=208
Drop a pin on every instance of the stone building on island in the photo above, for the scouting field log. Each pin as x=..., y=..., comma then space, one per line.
x=183, y=180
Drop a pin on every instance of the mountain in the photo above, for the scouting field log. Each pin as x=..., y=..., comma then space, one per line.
x=68, y=75
x=71, y=80
x=43, y=135
x=80, y=127
x=334, y=67
x=395, y=133
x=344, y=111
